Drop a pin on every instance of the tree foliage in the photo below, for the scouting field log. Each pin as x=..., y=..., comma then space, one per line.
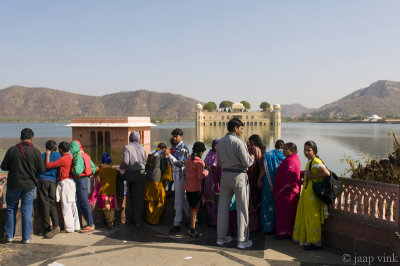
x=264, y=106
x=225, y=104
x=246, y=104
x=386, y=170
x=210, y=106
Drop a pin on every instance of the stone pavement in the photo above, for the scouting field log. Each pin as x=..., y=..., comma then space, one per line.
x=152, y=245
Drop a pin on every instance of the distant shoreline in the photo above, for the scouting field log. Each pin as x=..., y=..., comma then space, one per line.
x=158, y=122
x=7, y=120
x=386, y=121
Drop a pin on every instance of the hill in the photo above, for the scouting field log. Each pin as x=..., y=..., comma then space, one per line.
x=295, y=110
x=22, y=103
x=381, y=97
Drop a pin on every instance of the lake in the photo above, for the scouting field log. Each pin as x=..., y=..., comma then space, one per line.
x=334, y=140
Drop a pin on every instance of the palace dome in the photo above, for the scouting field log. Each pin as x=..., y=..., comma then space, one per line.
x=238, y=106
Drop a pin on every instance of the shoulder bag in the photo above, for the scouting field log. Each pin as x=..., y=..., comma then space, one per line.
x=328, y=189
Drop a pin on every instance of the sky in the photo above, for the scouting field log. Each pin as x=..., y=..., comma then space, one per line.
x=310, y=52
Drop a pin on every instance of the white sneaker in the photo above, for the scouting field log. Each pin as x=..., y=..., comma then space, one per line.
x=243, y=245
x=226, y=240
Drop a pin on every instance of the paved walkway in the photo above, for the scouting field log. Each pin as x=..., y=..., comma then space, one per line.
x=152, y=245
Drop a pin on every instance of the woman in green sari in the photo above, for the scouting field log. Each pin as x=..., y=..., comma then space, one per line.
x=311, y=211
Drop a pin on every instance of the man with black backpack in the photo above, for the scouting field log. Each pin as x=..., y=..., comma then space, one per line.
x=23, y=163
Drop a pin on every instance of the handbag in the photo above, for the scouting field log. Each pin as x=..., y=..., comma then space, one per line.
x=328, y=189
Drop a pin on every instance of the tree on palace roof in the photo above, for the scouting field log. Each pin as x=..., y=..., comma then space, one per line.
x=210, y=106
x=246, y=105
x=225, y=104
x=264, y=106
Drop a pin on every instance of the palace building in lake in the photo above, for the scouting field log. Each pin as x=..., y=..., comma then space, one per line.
x=210, y=125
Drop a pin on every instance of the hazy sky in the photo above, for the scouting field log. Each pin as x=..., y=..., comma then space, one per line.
x=309, y=52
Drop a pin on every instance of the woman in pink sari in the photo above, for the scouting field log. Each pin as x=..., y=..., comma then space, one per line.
x=287, y=191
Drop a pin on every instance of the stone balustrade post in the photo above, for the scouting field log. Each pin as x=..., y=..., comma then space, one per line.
x=397, y=209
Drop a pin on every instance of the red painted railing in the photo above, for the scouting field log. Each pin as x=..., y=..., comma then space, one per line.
x=370, y=202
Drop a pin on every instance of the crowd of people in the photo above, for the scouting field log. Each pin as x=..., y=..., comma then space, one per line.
x=242, y=187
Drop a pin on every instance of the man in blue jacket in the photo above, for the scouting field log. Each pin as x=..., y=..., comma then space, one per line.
x=177, y=160
x=46, y=193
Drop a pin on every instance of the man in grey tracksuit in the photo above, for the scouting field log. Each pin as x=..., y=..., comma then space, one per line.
x=233, y=156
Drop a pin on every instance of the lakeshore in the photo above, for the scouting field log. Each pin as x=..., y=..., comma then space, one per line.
x=334, y=140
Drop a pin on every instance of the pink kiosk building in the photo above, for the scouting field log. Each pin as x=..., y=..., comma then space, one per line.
x=110, y=131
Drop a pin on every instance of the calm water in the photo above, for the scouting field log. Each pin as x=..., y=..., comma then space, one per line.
x=334, y=140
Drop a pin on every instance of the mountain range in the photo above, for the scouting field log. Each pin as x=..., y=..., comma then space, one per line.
x=381, y=97
x=295, y=110
x=23, y=103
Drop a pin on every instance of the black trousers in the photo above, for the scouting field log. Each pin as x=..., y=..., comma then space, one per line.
x=47, y=203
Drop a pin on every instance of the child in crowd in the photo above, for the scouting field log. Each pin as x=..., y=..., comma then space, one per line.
x=195, y=173
x=108, y=200
x=154, y=193
x=66, y=187
x=3, y=181
x=167, y=176
x=232, y=229
x=46, y=193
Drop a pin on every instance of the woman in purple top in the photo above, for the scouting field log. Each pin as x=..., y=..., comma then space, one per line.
x=211, y=184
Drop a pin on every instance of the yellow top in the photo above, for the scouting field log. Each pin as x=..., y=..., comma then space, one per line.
x=314, y=169
x=108, y=179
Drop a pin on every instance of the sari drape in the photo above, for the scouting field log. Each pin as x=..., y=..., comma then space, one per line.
x=272, y=160
x=286, y=195
x=311, y=212
x=211, y=186
x=255, y=193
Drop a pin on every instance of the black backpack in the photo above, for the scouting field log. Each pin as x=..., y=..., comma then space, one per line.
x=327, y=190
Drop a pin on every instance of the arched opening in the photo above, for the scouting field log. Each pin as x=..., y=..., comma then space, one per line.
x=100, y=138
x=141, y=132
x=92, y=138
x=107, y=138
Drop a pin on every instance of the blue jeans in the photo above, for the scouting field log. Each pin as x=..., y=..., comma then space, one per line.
x=82, y=200
x=12, y=199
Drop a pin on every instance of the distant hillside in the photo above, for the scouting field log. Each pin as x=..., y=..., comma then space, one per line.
x=381, y=98
x=22, y=103
x=295, y=110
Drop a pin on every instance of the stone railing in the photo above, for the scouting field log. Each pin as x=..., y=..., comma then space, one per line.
x=370, y=202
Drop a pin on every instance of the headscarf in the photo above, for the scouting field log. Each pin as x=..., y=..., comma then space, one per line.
x=214, y=144
x=106, y=158
x=75, y=147
x=134, y=137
